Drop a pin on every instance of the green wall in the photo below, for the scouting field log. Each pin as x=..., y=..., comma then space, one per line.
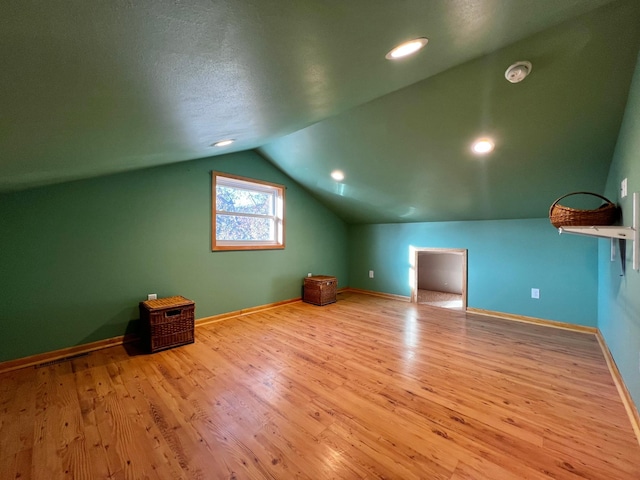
x=506, y=258
x=619, y=296
x=76, y=258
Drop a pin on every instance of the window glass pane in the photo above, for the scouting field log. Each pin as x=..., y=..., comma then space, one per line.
x=231, y=199
x=248, y=214
x=239, y=228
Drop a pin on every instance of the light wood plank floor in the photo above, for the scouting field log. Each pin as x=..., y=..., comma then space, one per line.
x=363, y=388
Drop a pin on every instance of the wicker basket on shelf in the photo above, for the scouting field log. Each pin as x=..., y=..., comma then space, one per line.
x=561, y=216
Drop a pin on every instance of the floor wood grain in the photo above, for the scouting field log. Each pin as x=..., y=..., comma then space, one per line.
x=364, y=388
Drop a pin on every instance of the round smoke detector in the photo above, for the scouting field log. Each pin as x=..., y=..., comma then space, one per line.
x=518, y=71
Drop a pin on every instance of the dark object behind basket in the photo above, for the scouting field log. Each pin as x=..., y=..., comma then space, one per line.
x=561, y=216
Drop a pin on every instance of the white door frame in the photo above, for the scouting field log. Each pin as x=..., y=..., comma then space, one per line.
x=455, y=251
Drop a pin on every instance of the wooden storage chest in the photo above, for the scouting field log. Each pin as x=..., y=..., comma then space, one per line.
x=320, y=289
x=167, y=322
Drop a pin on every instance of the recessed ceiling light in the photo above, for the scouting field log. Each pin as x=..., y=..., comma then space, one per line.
x=337, y=175
x=406, y=48
x=483, y=146
x=224, y=143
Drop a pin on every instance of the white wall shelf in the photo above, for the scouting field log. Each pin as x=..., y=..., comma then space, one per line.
x=624, y=233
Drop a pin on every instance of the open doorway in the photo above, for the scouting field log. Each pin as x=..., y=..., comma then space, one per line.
x=440, y=277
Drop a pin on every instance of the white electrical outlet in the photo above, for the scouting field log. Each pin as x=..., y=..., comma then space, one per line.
x=152, y=296
x=535, y=293
x=309, y=274
x=370, y=273
x=623, y=188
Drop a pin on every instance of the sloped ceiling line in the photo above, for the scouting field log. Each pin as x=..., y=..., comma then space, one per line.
x=97, y=88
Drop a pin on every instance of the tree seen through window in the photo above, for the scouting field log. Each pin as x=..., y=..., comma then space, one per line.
x=248, y=214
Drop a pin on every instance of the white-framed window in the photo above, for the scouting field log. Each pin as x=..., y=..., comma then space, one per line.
x=247, y=214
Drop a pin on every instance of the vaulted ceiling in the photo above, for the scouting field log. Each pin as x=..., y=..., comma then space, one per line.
x=100, y=87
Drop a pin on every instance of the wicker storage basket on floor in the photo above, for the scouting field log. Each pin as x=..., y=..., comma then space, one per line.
x=320, y=289
x=561, y=216
x=167, y=322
